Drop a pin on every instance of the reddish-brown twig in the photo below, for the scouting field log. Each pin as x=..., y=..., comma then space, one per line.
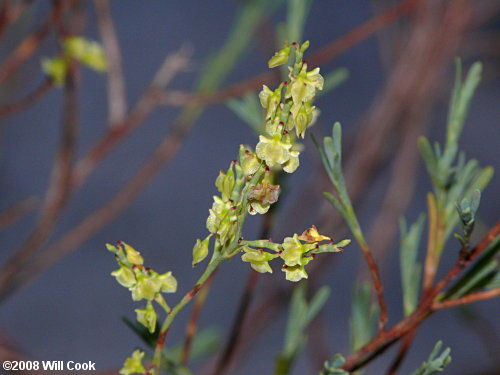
x=326, y=53
x=469, y=298
x=17, y=210
x=117, y=98
x=192, y=325
x=385, y=339
x=26, y=48
x=59, y=187
x=27, y=101
x=172, y=65
x=10, y=13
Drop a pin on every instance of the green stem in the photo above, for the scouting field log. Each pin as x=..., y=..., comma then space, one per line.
x=212, y=266
x=263, y=243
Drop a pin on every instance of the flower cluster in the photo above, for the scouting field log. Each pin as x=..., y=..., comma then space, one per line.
x=143, y=282
x=247, y=185
x=87, y=52
x=296, y=252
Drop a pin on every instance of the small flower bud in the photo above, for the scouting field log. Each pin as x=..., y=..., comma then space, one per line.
x=200, y=251
x=279, y=58
x=133, y=364
x=147, y=317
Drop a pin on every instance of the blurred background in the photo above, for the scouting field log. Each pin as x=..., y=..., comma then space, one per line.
x=145, y=162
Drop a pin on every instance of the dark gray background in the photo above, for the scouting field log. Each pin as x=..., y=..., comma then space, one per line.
x=72, y=312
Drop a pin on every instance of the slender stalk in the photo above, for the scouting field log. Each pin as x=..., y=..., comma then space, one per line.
x=192, y=325
x=28, y=100
x=472, y=297
x=384, y=339
x=212, y=266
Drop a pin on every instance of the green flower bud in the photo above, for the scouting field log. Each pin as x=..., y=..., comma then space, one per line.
x=258, y=259
x=125, y=276
x=249, y=163
x=88, y=52
x=200, y=250
x=225, y=183
x=295, y=273
x=273, y=151
x=147, y=317
x=270, y=99
x=133, y=364
x=133, y=256
x=279, y=58
x=168, y=282
x=56, y=69
x=218, y=211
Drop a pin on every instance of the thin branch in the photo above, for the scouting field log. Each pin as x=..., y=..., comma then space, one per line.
x=10, y=14
x=377, y=284
x=27, y=101
x=363, y=31
x=17, y=211
x=59, y=188
x=402, y=352
x=235, y=333
x=324, y=54
x=192, y=325
x=106, y=213
x=385, y=339
x=117, y=100
x=172, y=65
x=15, y=275
x=29, y=45
x=469, y=298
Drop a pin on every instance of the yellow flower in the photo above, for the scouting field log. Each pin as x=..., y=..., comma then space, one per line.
x=273, y=151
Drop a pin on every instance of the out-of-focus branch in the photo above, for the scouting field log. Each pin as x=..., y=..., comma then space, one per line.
x=117, y=95
x=172, y=65
x=326, y=53
x=10, y=13
x=192, y=325
x=17, y=211
x=63, y=183
x=29, y=45
x=27, y=101
x=469, y=298
x=385, y=339
x=59, y=188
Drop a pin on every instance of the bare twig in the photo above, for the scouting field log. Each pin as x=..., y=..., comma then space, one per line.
x=326, y=53
x=17, y=210
x=386, y=338
x=231, y=346
x=173, y=64
x=59, y=188
x=117, y=98
x=27, y=101
x=10, y=13
x=31, y=42
x=472, y=297
x=192, y=325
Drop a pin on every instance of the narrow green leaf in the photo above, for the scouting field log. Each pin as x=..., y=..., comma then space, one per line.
x=363, y=316
x=249, y=110
x=333, y=80
x=475, y=271
x=411, y=270
x=436, y=362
